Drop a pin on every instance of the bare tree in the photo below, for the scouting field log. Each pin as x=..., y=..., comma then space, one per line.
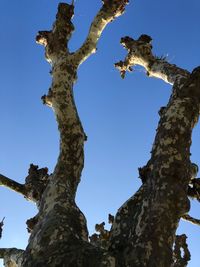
x=143, y=231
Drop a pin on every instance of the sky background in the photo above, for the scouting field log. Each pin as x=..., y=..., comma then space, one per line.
x=119, y=116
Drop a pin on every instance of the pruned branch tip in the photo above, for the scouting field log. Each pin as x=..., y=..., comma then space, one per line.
x=140, y=53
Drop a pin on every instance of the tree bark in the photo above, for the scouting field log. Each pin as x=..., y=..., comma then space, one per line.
x=144, y=229
x=13, y=185
x=60, y=224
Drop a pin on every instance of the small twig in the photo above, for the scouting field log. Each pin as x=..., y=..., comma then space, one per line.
x=188, y=218
x=1, y=227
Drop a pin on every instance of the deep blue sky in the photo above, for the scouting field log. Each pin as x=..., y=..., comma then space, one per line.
x=119, y=116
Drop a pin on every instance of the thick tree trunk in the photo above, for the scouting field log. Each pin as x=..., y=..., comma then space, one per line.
x=144, y=229
x=60, y=225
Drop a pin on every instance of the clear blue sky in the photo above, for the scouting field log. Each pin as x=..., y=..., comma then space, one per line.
x=119, y=116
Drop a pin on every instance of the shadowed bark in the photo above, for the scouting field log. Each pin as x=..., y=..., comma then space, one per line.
x=180, y=243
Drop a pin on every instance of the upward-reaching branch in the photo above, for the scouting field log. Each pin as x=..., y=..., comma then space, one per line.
x=64, y=72
x=109, y=11
x=60, y=222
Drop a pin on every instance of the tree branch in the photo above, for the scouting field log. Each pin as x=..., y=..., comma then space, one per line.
x=140, y=53
x=35, y=183
x=1, y=226
x=109, y=11
x=12, y=256
x=13, y=185
x=188, y=218
x=56, y=40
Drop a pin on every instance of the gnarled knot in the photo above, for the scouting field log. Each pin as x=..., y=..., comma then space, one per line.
x=102, y=239
x=144, y=173
x=43, y=37
x=115, y=7
x=47, y=99
x=122, y=67
x=31, y=223
x=36, y=182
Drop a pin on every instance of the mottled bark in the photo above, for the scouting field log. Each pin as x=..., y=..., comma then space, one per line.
x=60, y=224
x=144, y=229
x=140, y=53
